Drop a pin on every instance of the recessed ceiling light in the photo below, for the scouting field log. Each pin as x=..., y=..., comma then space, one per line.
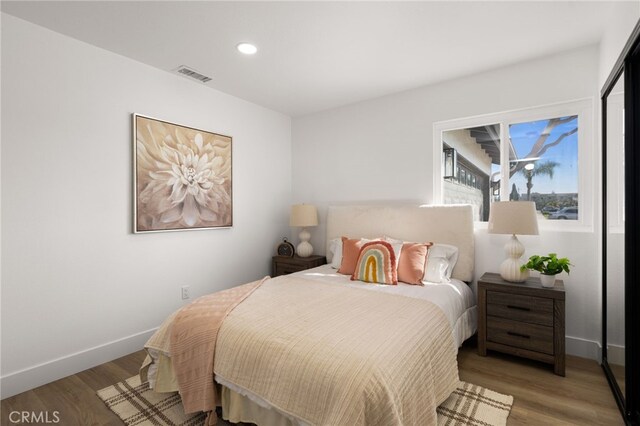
x=247, y=48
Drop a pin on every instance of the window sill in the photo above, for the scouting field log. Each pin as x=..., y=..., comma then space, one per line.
x=562, y=226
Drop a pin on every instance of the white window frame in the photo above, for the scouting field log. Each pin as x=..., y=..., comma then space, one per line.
x=587, y=155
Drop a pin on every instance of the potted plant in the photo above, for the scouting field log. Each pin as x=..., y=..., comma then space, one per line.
x=548, y=266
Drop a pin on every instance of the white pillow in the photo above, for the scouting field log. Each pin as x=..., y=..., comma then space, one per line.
x=436, y=270
x=397, y=247
x=335, y=248
x=440, y=263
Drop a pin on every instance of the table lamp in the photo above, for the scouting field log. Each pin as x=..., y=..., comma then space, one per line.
x=304, y=216
x=513, y=217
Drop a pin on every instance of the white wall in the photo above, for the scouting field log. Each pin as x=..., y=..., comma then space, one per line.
x=381, y=150
x=622, y=18
x=78, y=288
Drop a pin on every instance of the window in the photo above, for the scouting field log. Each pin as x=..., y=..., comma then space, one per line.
x=541, y=154
x=476, y=155
x=545, y=167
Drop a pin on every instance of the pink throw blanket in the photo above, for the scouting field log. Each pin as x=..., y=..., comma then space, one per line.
x=193, y=342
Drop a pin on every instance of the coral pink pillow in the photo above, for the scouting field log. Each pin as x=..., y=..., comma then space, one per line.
x=412, y=262
x=350, y=253
x=376, y=264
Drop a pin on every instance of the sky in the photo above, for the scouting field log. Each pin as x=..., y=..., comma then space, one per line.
x=565, y=178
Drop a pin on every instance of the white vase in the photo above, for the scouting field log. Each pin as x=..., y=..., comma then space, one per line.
x=547, y=280
x=304, y=249
x=510, y=267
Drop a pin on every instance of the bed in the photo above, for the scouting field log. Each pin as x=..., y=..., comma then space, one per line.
x=317, y=347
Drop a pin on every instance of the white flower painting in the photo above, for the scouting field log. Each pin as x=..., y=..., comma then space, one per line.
x=182, y=177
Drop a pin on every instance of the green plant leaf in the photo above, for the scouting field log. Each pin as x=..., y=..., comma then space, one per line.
x=548, y=265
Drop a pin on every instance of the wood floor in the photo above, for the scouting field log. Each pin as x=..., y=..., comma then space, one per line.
x=540, y=397
x=583, y=397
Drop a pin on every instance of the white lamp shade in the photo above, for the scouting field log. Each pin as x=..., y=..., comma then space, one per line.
x=303, y=215
x=513, y=217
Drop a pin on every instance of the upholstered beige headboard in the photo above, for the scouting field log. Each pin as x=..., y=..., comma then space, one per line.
x=450, y=224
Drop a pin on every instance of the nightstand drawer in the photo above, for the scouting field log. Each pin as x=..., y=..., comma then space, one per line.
x=286, y=269
x=283, y=265
x=521, y=335
x=531, y=309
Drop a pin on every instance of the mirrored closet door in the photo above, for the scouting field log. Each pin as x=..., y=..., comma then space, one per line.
x=615, y=234
x=621, y=229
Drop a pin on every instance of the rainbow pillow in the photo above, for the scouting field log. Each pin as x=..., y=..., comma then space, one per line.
x=376, y=264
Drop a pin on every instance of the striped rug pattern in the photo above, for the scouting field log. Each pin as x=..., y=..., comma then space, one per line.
x=475, y=406
x=137, y=405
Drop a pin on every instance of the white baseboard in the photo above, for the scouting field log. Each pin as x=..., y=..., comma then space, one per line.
x=615, y=354
x=37, y=375
x=583, y=348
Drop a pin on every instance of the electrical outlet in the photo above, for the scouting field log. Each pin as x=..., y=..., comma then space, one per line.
x=185, y=292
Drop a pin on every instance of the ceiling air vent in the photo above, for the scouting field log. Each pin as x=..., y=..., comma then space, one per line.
x=184, y=70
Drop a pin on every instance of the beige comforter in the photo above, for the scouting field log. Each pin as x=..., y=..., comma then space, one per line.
x=328, y=354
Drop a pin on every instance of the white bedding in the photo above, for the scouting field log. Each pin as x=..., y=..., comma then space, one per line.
x=455, y=298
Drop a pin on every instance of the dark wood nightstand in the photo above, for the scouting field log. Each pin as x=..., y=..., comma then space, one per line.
x=523, y=319
x=283, y=265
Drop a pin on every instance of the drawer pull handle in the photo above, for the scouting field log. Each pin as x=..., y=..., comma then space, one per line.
x=513, y=333
x=520, y=308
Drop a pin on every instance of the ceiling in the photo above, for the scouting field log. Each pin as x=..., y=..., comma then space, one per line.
x=319, y=55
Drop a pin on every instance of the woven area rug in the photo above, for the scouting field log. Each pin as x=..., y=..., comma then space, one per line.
x=136, y=404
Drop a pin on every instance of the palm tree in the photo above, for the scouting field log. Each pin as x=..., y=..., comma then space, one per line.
x=531, y=170
x=514, y=196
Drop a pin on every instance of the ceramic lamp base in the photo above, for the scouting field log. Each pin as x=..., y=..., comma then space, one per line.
x=304, y=249
x=510, y=267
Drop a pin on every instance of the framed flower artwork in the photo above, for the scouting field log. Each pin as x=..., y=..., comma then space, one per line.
x=182, y=177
